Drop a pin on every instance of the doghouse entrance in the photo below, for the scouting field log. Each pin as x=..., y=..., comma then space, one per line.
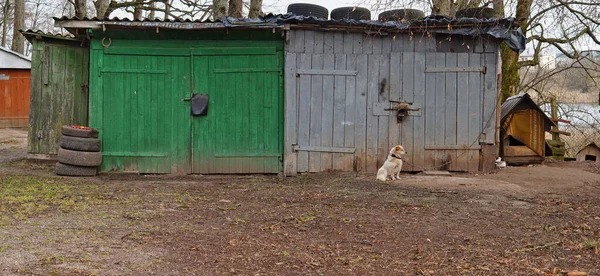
x=590, y=157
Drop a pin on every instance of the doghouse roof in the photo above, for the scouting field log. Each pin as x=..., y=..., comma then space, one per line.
x=592, y=144
x=504, y=29
x=523, y=102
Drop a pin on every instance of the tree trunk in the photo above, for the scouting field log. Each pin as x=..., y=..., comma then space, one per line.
x=449, y=7
x=152, y=11
x=18, y=42
x=80, y=8
x=102, y=8
x=255, y=8
x=510, y=58
x=6, y=13
x=138, y=11
x=235, y=8
x=219, y=9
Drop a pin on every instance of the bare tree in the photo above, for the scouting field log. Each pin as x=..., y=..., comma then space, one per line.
x=255, y=8
x=235, y=8
x=18, y=41
x=5, y=20
x=219, y=8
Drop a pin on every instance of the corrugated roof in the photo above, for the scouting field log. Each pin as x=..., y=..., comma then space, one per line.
x=523, y=102
x=46, y=34
x=502, y=28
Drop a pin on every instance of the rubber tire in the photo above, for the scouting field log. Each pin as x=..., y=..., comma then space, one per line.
x=79, y=158
x=409, y=15
x=308, y=10
x=69, y=170
x=476, y=13
x=77, y=132
x=356, y=13
x=80, y=144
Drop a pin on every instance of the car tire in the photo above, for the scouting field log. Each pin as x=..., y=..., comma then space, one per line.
x=356, y=13
x=79, y=158
x=409, y=15
x=79, y=143
x=308, y=10
x=70, y=170
x=80, y=131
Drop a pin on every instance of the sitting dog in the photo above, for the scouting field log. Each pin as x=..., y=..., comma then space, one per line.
x=393, y=164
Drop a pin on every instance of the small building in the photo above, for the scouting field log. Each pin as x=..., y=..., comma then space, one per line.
x=523, y=126
x=286, y=94
x=59, y=89
x=590, y=152
x=15, y=72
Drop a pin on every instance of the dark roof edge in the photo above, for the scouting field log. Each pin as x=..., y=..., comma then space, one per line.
x=30, y=34
x=513, y=101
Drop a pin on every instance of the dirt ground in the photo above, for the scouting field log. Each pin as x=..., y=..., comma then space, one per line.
x=538, y=220
x=13, y=144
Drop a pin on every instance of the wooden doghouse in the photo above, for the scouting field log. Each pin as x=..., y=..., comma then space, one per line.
x=523, y=127
x=590, y=152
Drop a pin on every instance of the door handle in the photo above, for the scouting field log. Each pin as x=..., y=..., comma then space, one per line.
x=186, y=99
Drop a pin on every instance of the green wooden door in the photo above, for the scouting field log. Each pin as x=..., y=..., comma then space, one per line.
x=242, y=132
x=143, y=119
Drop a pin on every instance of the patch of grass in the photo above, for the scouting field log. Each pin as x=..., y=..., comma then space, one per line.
x=591, y=245
x=24, y=197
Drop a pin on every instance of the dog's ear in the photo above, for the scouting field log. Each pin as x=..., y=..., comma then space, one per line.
x=398, y=148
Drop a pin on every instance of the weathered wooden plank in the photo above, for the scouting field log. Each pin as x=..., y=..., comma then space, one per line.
x=418, y=130
x=448, y=69
x=338, y=42
x=298, y=41
x=407, y=125
x=386, y=45
x=305, y=61
x=350, y=116
x=328, y=42
x=452, y=147
x=309, y=41
x=318, y=46
x=348, y=42
x=360, y=126
x=441, y=161
x=475, y=109
x=430, y=112
x=394, y=127
x=377, y=45
x=291, y=115
x=327, y=115
x=37, y=65
x=383, y=143
x=462, y=113
x=450, y=116
x=316, y=100
x=334, y=72
x=358, y=41
x=326, y=149
x=489, y=99
x=372, y=121
x=339, y=111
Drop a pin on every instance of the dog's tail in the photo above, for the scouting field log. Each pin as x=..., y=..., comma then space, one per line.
x=381, y=175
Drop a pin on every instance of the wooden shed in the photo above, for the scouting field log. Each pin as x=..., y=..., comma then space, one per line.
x=590, y=152
x=15, y=71
x=523, y=127
x=287, y=94
x=59, y=87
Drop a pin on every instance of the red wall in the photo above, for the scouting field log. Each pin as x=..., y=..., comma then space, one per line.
x=14, y=98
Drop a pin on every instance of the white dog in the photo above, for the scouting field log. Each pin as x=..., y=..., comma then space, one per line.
x=393, y=164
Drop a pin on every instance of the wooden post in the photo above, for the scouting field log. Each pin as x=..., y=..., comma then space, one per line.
x=554, y=112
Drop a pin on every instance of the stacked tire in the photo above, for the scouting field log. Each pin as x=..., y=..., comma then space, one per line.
x=79, y=153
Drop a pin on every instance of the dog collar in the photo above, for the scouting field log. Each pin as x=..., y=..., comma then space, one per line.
x=395, y=156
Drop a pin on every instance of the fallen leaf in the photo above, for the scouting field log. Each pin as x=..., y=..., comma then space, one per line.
x=577, y=273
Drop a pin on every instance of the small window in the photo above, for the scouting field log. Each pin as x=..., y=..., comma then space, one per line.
x=590, y=157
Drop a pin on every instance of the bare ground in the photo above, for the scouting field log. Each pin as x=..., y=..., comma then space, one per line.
x=539, y=220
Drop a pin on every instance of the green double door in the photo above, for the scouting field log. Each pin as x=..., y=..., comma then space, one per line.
x=140, y=102
x=242, y=132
